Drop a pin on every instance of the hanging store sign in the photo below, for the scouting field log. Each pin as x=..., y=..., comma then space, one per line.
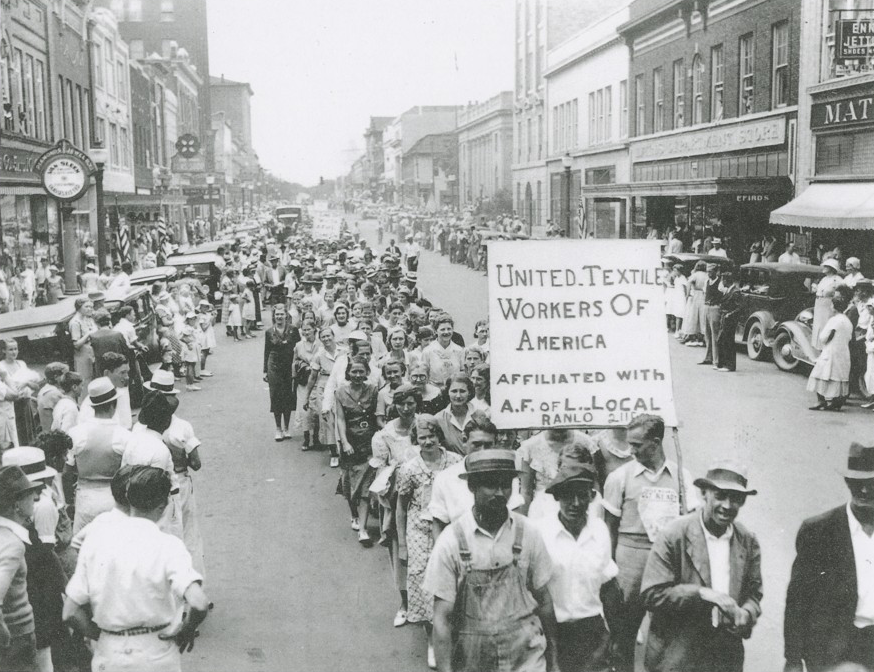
x=568, y=321
x=841, y=113
x=854, y=39
x=65, y=171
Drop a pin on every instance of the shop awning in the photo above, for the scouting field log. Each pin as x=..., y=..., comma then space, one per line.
x=144, y=200
x=830, y=205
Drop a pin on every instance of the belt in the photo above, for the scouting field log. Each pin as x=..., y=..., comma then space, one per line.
x=142, y=630
x=174, y=491
x=184, y=470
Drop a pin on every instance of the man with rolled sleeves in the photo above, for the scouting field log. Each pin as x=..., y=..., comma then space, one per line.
x=640, y=498
x=712, y=317
x=489, y=573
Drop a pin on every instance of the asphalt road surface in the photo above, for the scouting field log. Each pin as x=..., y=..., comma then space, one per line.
x=293, y=590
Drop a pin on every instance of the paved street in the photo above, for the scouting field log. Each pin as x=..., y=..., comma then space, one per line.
x=294, y=590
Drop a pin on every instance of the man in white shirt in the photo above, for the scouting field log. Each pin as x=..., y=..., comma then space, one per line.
x=790, y=256
x=121, y=283
x=583, y=569
x=703, y=581
x=717, y=250
x=412, y=254
x=117, y=369
x=146, y=626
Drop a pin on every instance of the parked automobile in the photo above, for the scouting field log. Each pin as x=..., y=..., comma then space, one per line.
x=771, y=293
x=207, y=269
x=152, y=275
x=688, y=260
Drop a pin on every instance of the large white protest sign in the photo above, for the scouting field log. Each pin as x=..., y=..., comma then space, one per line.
x=326, y=225
x=578, y=334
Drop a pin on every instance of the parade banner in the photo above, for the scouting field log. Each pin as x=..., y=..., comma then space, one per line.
x=326, y=225
x=578, y=333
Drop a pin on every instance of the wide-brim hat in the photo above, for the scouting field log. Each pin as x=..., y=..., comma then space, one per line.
x=32, y=462
x=14, y=483
x=162, y=381
x=832, y=263
x=726, y=475
x=294, y=263
x=95, y=297
x=490, y=461
x=411, y=276
x=190, y=269
x=860, y=462
x=101, y=391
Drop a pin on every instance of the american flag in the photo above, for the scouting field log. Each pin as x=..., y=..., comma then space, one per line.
x=122, y=242
x=582, y=223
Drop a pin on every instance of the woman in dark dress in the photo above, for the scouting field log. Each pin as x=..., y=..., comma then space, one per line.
x=355, y=410
x=279, y=344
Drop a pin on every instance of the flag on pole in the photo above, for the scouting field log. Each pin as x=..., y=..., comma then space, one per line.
x=122, y=243
x=582, y=224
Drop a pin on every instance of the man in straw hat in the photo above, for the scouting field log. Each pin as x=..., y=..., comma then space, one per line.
x=17, y=639
x=829, y=617
x=579, y=546
x=98, y=446
x=703, y=581
x=489, y=573
x=162, y=603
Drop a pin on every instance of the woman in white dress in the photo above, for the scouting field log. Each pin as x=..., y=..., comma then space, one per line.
x=24, y=383
x=830, y=378
x=677, y=306
x=825, y=290
x=694, y=315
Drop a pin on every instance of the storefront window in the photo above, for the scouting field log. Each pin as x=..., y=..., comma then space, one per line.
x=845, y=10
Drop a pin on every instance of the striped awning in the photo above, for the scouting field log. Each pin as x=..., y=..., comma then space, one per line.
x=830, y=205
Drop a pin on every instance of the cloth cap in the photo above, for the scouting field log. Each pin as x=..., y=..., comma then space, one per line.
x=101, y=391
x=717, y=240
x=489, y=461
x=14, y=483
x=860, y=462
x=189, y=269
x=572, y=469
x=832, y=263
x=31, y=460
x=726, y=475
x=854, y=262
x=357, y=335
x=190, y=315
x=95, y=297
x=162, y=381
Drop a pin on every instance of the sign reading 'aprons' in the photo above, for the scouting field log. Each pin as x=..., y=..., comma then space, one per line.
x=578, y=334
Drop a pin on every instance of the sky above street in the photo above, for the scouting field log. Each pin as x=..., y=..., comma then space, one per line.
x=320, y=68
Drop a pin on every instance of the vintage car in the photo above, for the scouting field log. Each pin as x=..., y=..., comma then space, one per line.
x=688, y=260
x=151, y=275
x=771, y=293
x=207, y=268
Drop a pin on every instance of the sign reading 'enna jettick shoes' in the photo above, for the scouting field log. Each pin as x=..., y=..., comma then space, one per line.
x=578, y=334
x=65, y=171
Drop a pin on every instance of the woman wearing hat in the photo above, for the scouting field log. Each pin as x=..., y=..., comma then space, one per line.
x=415, y=478
x=830, y=377
x=355, y=412
x=50, y=393
x=66, y=412
x=825, y=290
x=54, y=286
x=227, y=286
x=81, y=326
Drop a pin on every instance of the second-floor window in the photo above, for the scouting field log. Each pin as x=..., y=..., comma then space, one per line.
x=717, y=83
x=640, y=106
x=167, y=11
x=658, y=101
x=109, y=65
x=114, y=157
x=780, y=64
x=697, y=90
x=746, y=64
x=679, y=94
x=134, y=10
x=137, y=49
x=623, y=109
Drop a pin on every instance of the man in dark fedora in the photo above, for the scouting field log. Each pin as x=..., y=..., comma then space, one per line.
x=583, y=585
x=703, y=581
x=829, y=617
x=489, y=574
x=17, y=639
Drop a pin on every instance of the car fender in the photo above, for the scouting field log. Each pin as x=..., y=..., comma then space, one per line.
x=801, y=341
x=769, y=325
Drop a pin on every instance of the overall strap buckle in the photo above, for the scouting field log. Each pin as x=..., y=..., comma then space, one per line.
x=463, y=548
x=517, y=541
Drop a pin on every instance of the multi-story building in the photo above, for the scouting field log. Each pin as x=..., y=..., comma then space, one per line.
x=540, y=26
x=28, y=218
x=429, y=170
x=713, y=88
x=835, y=166
x=587, y=102
x=404, y=132
x=374, y=156
x=485, y=153
x=234, y=99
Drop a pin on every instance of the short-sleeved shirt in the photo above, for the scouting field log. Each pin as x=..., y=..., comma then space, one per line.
x=445, y=569
x=153, y=568
x=147, y=448
x=580, y=567
x=451, y=498
x=645, y=501
x=442, y=362
x=182, y=441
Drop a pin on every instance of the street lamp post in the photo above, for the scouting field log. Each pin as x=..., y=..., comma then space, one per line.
x=566, y=162
x=100, y=156
x=210, y=180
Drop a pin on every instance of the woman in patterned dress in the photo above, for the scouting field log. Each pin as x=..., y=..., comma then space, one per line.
x=415, y=541
x=304, y=353
x=320, y=371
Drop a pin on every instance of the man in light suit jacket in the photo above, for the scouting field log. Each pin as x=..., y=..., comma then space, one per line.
x=703, y=581
x=829, y=616
x=273, y=279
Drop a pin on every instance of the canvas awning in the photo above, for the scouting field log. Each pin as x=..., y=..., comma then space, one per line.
x=830, y=205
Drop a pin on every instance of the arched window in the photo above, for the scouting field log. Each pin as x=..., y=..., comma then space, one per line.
x=697, y=90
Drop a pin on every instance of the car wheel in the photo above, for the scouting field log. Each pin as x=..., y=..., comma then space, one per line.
x=781, y=351
x=756, y=348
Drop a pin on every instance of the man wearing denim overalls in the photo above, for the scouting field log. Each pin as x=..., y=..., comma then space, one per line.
x=489, y=574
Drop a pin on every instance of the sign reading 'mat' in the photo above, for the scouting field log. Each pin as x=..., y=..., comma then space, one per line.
x=844, y=112
x=578, y=334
